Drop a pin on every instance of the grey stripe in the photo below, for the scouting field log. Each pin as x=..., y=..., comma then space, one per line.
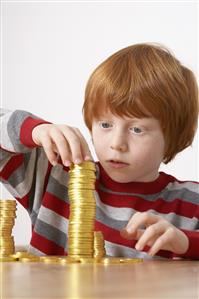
x=115, y=217
x=21, y=173
x=5, y=155
x=52, y=218
x=113, y=249
x=60, y=175
x=102, y=217
x=33, y=217
x=179, y=221
x=51, y=233
x=37, y=190
x=13, y=129
x=165, y=194
x=57, y=189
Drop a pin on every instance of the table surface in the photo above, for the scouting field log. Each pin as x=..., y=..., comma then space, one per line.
x=148, y=279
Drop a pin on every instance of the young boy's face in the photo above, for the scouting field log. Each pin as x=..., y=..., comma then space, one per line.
x=129, y=149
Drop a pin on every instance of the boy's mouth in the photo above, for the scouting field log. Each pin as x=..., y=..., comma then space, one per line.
x=117, y=164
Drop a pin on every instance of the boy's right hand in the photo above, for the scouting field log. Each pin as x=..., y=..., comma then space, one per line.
x=62, y=140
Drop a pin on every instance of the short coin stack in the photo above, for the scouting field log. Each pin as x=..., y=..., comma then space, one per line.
x=82, y=210
x=7, y=219
x=99, y=249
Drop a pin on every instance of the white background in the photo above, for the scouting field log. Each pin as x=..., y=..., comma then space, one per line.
x=49, y=49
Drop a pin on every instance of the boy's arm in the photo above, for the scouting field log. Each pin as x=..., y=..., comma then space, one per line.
x=16, y=130
x=20, y=156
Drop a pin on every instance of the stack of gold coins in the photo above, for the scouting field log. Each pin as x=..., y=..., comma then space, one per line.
x=7, y=219
x=99, y=248
x=81, y=188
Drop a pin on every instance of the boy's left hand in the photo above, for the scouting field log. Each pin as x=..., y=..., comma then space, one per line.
x=158, y=234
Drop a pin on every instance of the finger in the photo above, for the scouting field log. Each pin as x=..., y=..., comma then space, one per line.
x=150, y=235
x=159, y=244
x=131, y=236
x=49, y=149
x=74, y=145
x=84, y=146
x=61, y=145
x=141, y=220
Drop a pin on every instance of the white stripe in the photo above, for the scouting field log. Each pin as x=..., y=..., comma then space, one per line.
x=193, y=187
x=5, y=139
x=35, y=251
x=121, y=214
x=53, y=219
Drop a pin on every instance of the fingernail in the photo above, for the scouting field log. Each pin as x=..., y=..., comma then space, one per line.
x=54, y=163
x=77, y=161
x=67, y=163
x=129, y=231
x=137, y=247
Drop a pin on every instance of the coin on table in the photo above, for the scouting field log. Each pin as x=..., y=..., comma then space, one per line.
x=49, y=259
x=7, y=259
x=21, y=254
x=69, y=260
x=29, y=259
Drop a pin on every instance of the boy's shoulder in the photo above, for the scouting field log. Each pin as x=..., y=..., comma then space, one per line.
x=176, y=184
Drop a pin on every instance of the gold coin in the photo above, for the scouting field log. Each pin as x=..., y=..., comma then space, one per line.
x=20, y=254
x=119, y=260
x=69, y=260
x=49, y=259
x=7, y=259
x=84, y=165
x=130, y=260
x=6, y=203
x=29, y=259
x=82, y=186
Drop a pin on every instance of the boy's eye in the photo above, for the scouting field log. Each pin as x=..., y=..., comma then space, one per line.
x=136, y=130
x=105, y=125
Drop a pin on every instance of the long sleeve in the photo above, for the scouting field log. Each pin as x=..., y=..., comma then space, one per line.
x=23, y=165
x=193, y=250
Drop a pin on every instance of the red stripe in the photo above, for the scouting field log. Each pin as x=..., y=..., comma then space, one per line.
x=180, y=207
x=14, y=163
x=24, y=201
x=113, y=235
x=46, y=246
x=26, y=130
x=55, y=204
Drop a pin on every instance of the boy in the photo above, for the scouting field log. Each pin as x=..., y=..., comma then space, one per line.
x=141, y=107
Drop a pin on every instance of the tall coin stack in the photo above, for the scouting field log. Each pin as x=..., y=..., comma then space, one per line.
x=7, y=219
x=82, y=210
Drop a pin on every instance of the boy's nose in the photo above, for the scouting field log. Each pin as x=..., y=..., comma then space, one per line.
x=118, y=144
x=121, y=148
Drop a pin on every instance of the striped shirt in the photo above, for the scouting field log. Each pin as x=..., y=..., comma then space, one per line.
x=42, y=190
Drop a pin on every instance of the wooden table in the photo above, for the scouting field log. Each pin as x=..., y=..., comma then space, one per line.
x=148, y=279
